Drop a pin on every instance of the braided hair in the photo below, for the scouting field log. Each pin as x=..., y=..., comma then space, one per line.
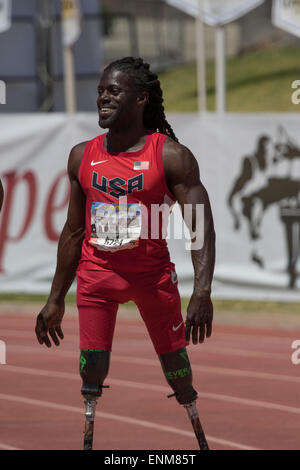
x=144, y=80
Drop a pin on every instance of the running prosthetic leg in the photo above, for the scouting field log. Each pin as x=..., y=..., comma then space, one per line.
x=194, y=417
x=177, y=370
x=90, y=410
x=94, y=366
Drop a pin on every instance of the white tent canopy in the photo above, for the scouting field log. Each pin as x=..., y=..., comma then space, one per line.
x=286, y=15
x=216, y=12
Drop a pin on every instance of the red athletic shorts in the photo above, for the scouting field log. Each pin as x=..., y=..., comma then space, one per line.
x=156, y=295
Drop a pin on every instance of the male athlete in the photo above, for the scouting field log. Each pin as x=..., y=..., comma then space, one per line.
x=138, y=164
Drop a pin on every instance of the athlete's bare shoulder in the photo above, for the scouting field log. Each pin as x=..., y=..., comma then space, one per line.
x=179, y=162
x=75, y=159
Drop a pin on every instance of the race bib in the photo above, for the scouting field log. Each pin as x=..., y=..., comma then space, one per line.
x=115, y=226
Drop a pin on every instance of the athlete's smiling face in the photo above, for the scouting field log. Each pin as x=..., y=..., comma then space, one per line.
x=118, y=102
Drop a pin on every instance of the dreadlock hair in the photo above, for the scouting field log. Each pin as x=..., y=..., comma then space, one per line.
x=144, y=80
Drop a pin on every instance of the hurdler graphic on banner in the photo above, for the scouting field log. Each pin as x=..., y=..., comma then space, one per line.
x=286, y=15
x=270, y=178
x=5, y=15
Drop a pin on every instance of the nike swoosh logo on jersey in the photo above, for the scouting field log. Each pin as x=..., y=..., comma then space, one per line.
x=175, y=328
x=97, y=163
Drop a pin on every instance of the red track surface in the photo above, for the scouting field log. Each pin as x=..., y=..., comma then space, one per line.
x=248, y=391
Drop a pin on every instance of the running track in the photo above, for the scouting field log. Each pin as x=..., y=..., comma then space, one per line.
x=248, y=391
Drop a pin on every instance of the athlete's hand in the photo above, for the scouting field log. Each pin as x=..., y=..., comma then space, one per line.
x=49, y=322
x=199, y=318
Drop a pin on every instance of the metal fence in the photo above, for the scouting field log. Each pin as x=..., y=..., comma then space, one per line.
x=31, y=51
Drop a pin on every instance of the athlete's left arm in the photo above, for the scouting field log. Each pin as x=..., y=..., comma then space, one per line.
x=183, y=180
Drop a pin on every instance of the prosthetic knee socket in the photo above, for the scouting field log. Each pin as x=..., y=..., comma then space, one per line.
x=94, y=366
x=177, y=370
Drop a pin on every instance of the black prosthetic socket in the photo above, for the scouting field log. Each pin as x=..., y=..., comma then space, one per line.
x=177, y=370
x=94, y=366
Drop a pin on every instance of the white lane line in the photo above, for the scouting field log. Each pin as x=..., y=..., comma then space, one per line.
x=214, y=370
x=256, y=337
x=155, y=388
x=218, y=335
x=7, y=447
x=152, y=362
x=124, y=419
x=207, y=347
x=245, y=353
x=140, y=329
x=227, y=351
x=25, y=334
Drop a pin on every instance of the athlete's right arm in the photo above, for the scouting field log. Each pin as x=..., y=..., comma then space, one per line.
x=68, y=256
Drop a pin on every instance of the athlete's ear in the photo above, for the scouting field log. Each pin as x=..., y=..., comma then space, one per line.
x=142, y=98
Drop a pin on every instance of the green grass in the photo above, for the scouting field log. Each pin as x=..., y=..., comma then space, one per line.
x=258, y=81
x=39, y=298
x=252, y=306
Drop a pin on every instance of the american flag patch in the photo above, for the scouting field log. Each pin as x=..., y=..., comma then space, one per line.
x=141, y=166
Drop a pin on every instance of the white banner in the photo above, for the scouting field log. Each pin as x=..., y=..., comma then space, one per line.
x=216, y=12
x=286, y=15
x=250, y=165
x=71, y=28
x=34, y=152
x=5, y=15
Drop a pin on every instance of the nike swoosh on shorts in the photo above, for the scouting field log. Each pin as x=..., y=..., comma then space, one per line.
x=175, y=328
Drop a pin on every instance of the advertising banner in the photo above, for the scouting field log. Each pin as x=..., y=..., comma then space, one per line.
x=249, y=164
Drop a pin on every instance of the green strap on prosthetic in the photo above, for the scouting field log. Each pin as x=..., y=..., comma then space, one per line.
x=178, y=373
x=93, y=368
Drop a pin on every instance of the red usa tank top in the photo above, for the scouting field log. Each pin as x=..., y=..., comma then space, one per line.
x=127, y=207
